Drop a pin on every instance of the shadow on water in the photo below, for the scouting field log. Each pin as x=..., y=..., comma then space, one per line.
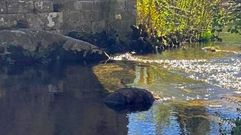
x=56, y=101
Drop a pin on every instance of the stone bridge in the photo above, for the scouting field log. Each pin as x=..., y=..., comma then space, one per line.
x=63, y=16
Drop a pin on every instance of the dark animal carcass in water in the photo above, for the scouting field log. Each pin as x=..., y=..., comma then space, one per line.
x=130, y=99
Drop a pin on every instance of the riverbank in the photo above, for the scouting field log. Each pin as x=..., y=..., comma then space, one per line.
x=141, y=41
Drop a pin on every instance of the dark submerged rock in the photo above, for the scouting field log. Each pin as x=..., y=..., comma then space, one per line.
x=130, y=99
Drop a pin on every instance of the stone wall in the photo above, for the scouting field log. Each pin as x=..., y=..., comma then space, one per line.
x=63, y=16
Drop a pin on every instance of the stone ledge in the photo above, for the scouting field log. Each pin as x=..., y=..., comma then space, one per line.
x=47, y=45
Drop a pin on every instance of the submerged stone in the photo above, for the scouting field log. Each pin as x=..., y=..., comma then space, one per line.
x=130, y=99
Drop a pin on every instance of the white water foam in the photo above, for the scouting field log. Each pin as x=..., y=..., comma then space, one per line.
x=223, y=72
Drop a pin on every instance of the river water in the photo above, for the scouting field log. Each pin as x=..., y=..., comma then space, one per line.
x=198, y=94
x=199, y=91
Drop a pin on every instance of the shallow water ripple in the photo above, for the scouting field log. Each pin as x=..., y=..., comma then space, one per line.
x=225, y=73
x=222, y=72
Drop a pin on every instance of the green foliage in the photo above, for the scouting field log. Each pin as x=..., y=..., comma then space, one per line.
x=206, y=35
x=237, y=129
x=234, y=16
x=218, y=19
x=168, y=16
x=194, y=17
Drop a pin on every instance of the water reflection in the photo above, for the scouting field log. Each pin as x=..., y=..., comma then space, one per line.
x=192, y=119
x=177, y=118
x=151, y=122
x=143, y=75
x=57, y=101
x=189, y=106
x=166, y=84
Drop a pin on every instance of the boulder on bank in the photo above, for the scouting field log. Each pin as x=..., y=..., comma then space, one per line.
x=130, y=99
x=22, y=44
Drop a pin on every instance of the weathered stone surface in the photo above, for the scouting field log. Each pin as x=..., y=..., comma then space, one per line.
x=63, y=16
x=10, y=20
x=43, y=6
x=130, y=99
x=20, y=7
x=41, y=21
x=3, y=8
x=83, y=5
x=98, y=26
x=35, y=42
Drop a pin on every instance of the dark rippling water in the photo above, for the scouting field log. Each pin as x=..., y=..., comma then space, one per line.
x=56, y=101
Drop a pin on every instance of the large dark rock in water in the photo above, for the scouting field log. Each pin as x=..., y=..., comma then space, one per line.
x=30, y=45
x=130, y=99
